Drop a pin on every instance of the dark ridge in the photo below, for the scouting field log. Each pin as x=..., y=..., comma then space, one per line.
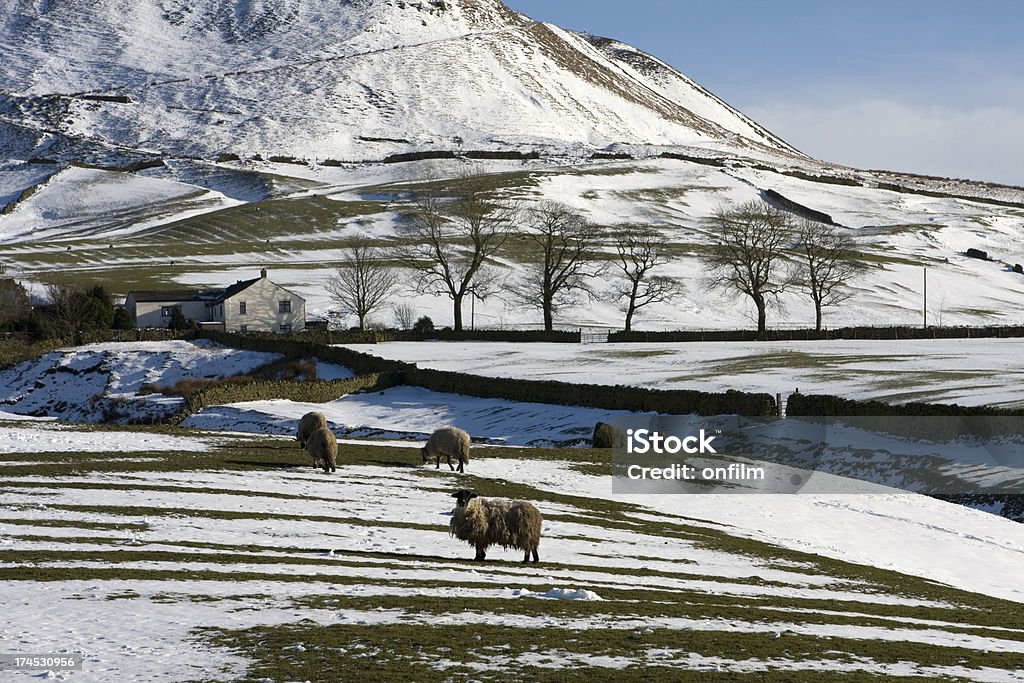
x=140, y=165
x=418, y=156
x=502, y=155
x=367, y=138
x=119, y=99
x=697, y=160
x=780, y=202
x=684, y=336
x=831, y=180
x=892, y=187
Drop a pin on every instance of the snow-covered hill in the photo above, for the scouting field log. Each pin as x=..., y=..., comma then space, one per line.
x=317, y=80
x=194, y=112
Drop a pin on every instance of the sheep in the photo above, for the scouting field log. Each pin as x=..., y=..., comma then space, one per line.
x=447, y=441
x=322, y=446
x=309, y=423
x=495, y=521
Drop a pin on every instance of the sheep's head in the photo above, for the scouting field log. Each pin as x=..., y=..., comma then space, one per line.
x=462, y=497
x=426, y=456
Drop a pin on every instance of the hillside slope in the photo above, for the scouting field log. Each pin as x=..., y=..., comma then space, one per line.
x=357, y=80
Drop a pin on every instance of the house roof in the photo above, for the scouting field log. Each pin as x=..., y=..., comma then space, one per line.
x=210, y=296
x=170, y=295
x=239, y=286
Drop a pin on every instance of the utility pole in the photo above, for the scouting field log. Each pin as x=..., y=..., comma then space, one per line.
x=926, y=297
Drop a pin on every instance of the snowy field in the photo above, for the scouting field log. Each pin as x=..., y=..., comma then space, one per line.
x=964, y=371
x=130, y=233
x=413, y=413
x=245, y=562
x=213, y=551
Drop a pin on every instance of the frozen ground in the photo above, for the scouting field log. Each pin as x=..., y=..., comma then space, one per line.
x=155, y=555
x=414, y=413
x=123, y=562
x=101, y=382
x=965, y=371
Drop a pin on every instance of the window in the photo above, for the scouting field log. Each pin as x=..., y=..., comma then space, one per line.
x=243, y=328
x=284, y=306
x=241, y=308
x=168, y=311
x=285, y=328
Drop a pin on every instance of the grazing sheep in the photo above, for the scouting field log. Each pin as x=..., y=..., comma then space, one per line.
x=309, y=423
x=608, y=436
x=322, y=446
x=447, y=441
x=484, y=522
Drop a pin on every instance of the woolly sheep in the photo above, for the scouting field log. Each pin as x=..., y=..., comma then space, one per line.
x=322, y=446
x=309, y=423
x=447, y=441
x=484, y=522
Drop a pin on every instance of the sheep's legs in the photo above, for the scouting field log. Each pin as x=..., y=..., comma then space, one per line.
x=479, y=554
x=526, y=557
x=461, y=465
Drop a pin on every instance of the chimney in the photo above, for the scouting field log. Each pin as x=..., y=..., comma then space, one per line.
x=263, y=273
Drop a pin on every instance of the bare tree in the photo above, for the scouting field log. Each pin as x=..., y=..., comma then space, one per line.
x=449, y=241
x=828, y=263
x=639, y=252
x=405, y=315
x=363, y=283
x=564, y=244
x=746, y=260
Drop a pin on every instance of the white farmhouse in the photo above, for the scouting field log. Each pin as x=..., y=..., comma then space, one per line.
x=256, y=305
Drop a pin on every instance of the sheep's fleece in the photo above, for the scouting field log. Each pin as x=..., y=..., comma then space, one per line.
x=483, y=522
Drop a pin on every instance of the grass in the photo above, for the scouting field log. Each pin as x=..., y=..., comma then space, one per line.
x=14, y=351
x=492, y=653
x=656, y=195
x=271, y=230
x=651, y=603
x=788, y=360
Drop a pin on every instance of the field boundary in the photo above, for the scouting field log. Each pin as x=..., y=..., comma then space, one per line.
x=881, y=333
x=380, y=370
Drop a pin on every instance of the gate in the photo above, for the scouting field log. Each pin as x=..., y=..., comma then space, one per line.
x=593, y=336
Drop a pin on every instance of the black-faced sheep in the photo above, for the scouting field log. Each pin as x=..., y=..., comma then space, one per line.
x=484, y=522
x=447, y=441
x=309, y=423
x=322, y=446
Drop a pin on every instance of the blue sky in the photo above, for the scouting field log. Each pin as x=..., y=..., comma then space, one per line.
x=931, y=86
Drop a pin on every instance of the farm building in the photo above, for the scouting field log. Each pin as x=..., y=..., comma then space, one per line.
x=256, y=305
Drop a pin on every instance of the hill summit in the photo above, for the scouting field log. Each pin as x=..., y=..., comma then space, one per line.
x=343, y=79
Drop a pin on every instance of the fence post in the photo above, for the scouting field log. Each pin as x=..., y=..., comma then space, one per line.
x=778, y=405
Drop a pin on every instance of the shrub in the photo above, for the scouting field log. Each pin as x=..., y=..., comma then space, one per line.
x=122, y=321
x=423, y=326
